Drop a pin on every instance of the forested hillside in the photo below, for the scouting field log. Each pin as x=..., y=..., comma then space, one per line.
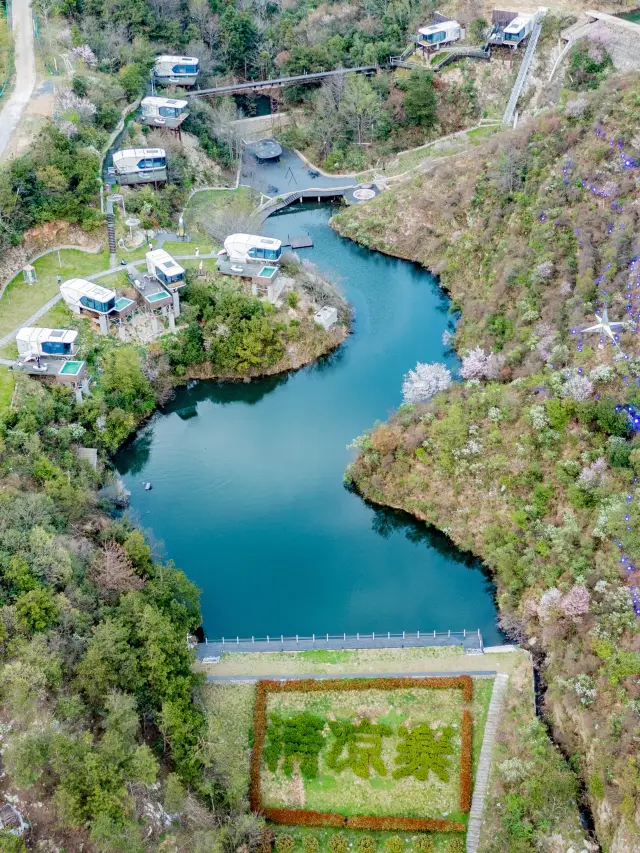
x=532, y=460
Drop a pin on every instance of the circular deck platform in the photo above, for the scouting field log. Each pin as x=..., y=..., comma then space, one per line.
x=266, y=149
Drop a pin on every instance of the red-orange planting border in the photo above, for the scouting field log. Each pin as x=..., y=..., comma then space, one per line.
x=466, y=735
x=304, y=817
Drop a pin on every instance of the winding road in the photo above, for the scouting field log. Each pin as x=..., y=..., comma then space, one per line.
x=25, y=73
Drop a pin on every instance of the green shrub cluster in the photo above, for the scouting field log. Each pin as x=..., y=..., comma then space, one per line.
x=394, y=844
x=367, y=844
x=420, y=752
x=338, y=843
x=310, y=844
x=285, y=843
x=298, y=737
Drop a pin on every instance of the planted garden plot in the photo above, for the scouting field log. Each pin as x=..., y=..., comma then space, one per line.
x=391, y=754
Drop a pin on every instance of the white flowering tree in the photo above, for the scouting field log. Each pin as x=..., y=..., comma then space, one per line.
x=424, y=381
x=576, y=601
x=84, y=53
x=577, y=386
x=476, y=364
x=69, y=107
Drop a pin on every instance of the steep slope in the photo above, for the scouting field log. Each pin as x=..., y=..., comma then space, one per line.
x=533, y=461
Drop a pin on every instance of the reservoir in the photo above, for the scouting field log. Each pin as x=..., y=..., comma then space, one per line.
x=248, y=495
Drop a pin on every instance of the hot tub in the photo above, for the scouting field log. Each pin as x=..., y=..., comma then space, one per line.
x=71, y=368
x=268, y=272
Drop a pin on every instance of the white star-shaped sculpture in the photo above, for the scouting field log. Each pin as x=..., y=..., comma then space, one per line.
x=604, y=325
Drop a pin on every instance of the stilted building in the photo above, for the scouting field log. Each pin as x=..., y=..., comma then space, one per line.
x=163, y=112
x=176, y=70
x=140, y=165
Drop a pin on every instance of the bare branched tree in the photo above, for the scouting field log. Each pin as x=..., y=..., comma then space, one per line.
x=508, y=174
x=238, y=216
x=113, y=572
x=205, y=20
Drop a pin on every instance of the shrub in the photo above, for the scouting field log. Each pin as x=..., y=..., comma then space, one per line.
x=455, y=845
x=310, y=844
x=285, y=843
x=423, y=844
x=338, y=843
x=367, y=844
x=393, y=844
x=293, y=297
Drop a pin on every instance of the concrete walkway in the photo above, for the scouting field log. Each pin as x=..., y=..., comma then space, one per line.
x=484, y=765
x=250, y=679
x=469, y=640
x=25, y=75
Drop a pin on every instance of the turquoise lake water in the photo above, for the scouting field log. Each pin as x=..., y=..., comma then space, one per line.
x=248, y=495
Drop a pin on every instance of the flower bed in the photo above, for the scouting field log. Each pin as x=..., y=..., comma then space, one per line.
x=347, y=767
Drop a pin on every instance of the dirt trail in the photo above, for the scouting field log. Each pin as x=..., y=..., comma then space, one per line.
x=22, y=26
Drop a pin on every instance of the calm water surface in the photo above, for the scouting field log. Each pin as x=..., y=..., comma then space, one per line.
x=248, y=495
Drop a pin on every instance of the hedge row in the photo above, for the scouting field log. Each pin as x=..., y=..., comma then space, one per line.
x=310, y=685
x=259, y=728
x=302, y=817
x=466, y=733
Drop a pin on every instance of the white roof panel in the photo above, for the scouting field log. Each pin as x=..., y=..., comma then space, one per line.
x=138, y=152
x=168, y=57
x=88, y=288
x=156, y=101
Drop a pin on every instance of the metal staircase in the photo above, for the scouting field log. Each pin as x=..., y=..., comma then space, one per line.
x=509, y=112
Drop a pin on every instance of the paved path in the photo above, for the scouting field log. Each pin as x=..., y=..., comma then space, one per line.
x=484, y=765
x=481, y=673
x=25, y=76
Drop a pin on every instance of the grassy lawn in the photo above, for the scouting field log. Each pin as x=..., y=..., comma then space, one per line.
x=188, y=247
x=322, y=661
x=211, y=200
x=7, y=381
x=479, y=134
x=20, y=300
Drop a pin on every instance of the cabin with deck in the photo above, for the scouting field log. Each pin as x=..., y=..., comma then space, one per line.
x=162, y=266
x=510, y=28
x=85, y=297
x=153, y=294
x=55, y=343
x=140, y=165
x=163, y=112
x=436, y=36
x=172, y=70
x=251, y=248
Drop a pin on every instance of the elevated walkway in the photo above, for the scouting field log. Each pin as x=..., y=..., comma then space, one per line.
x=279, y=82
x=449, y=55
x=471, y=641
x=527, y=59
x=313, y=194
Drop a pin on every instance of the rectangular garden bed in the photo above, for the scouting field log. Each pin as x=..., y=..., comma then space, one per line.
x=386, y=754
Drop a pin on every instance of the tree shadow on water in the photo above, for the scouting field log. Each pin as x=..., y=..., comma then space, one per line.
x=387, y=521
x=222, y=393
